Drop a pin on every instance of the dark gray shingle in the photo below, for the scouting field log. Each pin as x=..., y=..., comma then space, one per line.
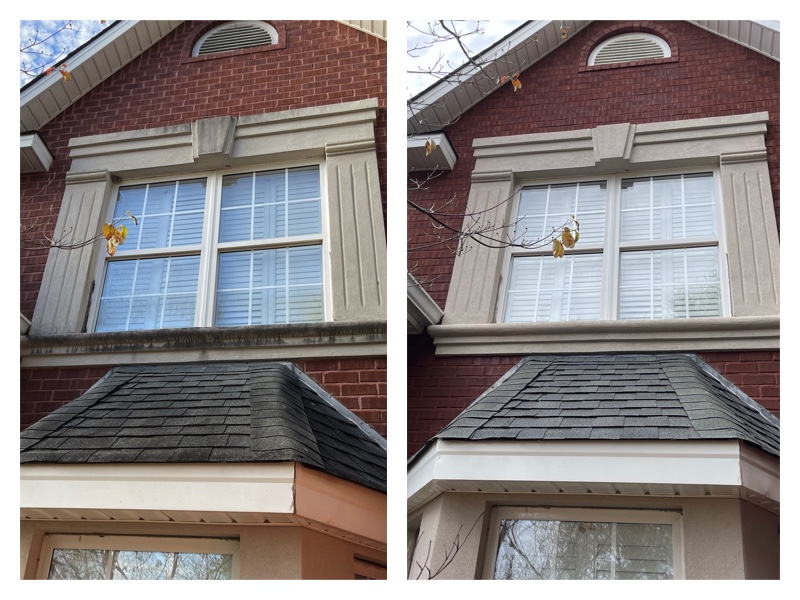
x=615, y=396
x=216, y=412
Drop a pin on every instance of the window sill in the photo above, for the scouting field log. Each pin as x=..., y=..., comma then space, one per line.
x=257, y=342
x=668, y=335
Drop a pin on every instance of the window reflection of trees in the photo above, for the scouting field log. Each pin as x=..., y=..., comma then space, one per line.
x=123, y=564
x=531, y=549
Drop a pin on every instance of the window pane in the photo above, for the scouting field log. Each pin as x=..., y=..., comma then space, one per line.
x=667, y=208
x=543, y=288
x=270, y=204
x=662, y=284
x=132, y=565
x=169, y=214
x=280, y=285
x=149, y=293
x=531, y=549
x=545, y=209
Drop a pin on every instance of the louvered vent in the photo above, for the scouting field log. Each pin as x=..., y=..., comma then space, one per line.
x=235, y=36
x=626, y=48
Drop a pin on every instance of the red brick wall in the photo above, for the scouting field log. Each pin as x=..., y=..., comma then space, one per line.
x=358, y=383
x=323, y=63
x=439, y=388
x=756, y=373
x=710, y=77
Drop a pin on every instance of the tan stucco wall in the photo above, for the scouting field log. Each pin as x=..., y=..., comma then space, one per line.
x=713, y=539
x=761, y=531
x=326, y=557
x=265, y=552
x=713, y=530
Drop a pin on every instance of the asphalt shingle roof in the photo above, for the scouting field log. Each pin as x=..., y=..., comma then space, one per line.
x=615, y=397
x=217, y=412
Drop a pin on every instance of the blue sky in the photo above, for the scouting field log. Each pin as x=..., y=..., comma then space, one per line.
x=57, y=46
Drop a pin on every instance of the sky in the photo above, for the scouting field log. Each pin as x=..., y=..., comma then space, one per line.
x=421, y=58
x=45, y=48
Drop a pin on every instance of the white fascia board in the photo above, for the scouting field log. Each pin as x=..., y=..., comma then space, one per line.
x=24, y=324
x=225, y=487
x=33, y=145
x=443, y=157
x=667, y=462
x=421, y=309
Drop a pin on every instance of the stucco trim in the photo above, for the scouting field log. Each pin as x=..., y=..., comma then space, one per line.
x=202, y=344
x=722, y=468
x=340, y=136
x=666, y=335
x=734, y=145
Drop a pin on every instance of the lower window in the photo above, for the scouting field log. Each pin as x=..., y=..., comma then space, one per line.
x=542, y=543
x=134, y=558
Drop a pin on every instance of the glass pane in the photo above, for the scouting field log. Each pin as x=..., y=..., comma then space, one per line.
x=668, y=208
x=270, y=204
x=279, y=285
x=131, y=565
x=149, y=293
x=662, y=284
x=545, y=209
x=530, y=549
x=543, y=288
x=169, y=214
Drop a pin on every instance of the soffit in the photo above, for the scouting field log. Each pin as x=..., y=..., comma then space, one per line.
x=376, y=28
x=47, y=96
x=446, y=100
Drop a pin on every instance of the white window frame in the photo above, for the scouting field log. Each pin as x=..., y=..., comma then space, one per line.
x=193, y=545
x=611, y=248
x=592, y=515
x=210, y=248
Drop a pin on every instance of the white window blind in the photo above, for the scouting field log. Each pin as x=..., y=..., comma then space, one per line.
x=267, y=262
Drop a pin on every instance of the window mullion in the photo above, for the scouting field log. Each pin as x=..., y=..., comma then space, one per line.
x=611, y=254
x=206, y=285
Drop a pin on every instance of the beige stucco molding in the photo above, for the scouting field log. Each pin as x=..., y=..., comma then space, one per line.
x=666, y=335
x=345, y=133
x=733, y=145
x=256, y=342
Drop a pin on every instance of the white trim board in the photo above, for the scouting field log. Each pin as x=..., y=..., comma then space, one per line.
x=726, y=468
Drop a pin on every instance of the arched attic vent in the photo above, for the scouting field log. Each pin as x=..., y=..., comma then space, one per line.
x=234, y=36
x=629, y=47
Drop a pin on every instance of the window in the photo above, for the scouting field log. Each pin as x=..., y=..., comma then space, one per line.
x=235, y=35
x=561, y=543
x=222, y=250
x=629, y=47
x=649, y=248
x=136, y=558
